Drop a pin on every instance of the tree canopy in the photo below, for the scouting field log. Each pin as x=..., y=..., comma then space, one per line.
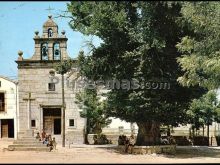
x=200, y=58
x=139, y=43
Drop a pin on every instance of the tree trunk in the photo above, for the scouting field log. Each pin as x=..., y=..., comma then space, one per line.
x=85, y=136
x=148, y=133
x=208, y=132
x=168, y=130
x=203, y=131
x=193, y=132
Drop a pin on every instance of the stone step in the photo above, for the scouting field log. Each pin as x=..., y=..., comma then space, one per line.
x=27, y=142
x=27, y=145
x=46, y=149
x=27, y=138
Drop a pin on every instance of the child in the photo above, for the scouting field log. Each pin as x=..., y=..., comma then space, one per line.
x=50, y=143
x=43, y=135
x=54, y=143
x=38, y=136
x=46, y=140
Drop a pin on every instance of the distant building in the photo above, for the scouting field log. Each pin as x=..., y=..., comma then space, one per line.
x=8, y=108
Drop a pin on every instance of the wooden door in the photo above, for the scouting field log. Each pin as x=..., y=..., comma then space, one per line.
x=48, y=124
x=4, y=130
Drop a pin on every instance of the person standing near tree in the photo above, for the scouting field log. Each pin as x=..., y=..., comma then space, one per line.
x=126, y=143
x=131, y=143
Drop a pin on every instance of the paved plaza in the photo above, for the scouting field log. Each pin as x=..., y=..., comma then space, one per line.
x=107, y=154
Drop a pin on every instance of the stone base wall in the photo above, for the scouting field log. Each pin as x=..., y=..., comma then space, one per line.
x=112, y=137
x=160, y=149
x=26, y=133
x=75, y=137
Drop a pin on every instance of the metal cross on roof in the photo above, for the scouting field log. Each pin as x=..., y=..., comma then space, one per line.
x=49, y=9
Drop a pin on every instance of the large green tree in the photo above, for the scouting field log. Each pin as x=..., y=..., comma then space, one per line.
x=200, y=58
x=138, y=43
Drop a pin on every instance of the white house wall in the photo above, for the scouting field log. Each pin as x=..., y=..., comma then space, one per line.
x=10, y=90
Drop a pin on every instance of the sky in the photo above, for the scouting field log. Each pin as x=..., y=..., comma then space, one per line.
x=19, y=21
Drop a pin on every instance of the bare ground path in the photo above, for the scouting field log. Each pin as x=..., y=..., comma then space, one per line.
x=107, y=154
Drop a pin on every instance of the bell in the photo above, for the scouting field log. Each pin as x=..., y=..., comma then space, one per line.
x=57, y=52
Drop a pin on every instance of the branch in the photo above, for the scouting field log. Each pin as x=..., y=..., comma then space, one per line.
x=63, y=16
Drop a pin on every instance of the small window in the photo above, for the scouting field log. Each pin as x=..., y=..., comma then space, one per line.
x=2, y=102
x=51, y=86
x=71, y=122
x=50, y=32
x=33, y=123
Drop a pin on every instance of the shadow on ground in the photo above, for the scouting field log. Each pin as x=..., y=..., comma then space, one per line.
x=196, y=151
x=181, y=151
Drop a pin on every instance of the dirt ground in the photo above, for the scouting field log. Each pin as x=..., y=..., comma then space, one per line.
x=107, y=154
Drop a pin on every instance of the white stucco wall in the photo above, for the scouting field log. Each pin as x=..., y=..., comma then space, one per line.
x=9, y=87
x=116, y=122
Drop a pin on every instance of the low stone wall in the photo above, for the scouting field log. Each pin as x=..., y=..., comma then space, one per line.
x=112, y=137
x=75, y=137
x=160, y=149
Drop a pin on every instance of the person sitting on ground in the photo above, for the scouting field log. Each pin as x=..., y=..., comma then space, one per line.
x=123, y=137
x=46, y=140
x=38, y=136
x=120, y=141
x=164, y=140
x=172, y=140
x=126, y=144
x=131, y=143
x=95, y=138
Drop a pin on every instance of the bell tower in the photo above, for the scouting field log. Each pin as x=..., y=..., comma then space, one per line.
x=50, y=28
x=50, y=46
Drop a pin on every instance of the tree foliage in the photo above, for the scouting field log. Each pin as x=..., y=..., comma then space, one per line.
x=93, y=109
x=139, y=41
x=200, y=58
x=64, y=66
x=205, y=110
